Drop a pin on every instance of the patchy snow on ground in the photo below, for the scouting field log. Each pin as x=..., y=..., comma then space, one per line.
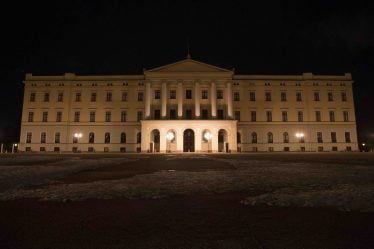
x=267, y=182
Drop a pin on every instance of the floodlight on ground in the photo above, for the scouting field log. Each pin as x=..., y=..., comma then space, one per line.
x=170, y=135
x=299, y=134
x=208, y=135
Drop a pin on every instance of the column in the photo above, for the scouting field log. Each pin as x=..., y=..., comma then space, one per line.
x=163, y=100
x=162, y=140
x=180, y=99
x=214, y=141
x=197, y=99
x=198, y=140
x=147, y=100
x=213, y=99
x=179, y=134
x=229, y=100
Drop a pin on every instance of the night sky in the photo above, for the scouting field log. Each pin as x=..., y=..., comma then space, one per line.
x=119, y=37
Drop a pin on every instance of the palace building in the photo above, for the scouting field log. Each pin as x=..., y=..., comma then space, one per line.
x=188, y=106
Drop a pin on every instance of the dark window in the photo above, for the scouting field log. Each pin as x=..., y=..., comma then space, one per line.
x=300, y=116
x=238, y=138
x=77, y=116
x=60, y=97
x=173, y=94
x=123, y=116
x=78, y=97
x=108, y=116
x=124, y=96
x=252, y=96
x=333, y=137
x=139, y=116
x=236, y=96
x=219, y=94
x=32, y=97
x=204, y=94
x=91, y=138
x=188, y=94
x=316, y=96
x=57, y=137
x=45, y=117
x=109, y=96
x=299, y=97
x=140, y=96
x=268, y=96
x=173, y=114
x=284, y=116
x=220, y=114
x=332, y=116
x=93, y=97
x=269, y=116
x=28, y=137
x=254, y=137
x=58, y=116
x=283, y=96
x=46, y=97
x=330, y=96
x=92, y=116
x=123, y=138
x=318, y=116
x=43, y=137
x=344, y=96
x=157, y=114
x=188, y=114
x=345, y=116
x=270, y=138
x=139, y=138
x=253, y=116
x=204, y=114
x=347, y=137
x=107, y=138
x=157, y=94
x=31, y=117
x=286, y=138
x=237, y=115
x=319, y=137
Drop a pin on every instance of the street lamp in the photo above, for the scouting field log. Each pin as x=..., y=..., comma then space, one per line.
x=170, y=137
x=208, y=136
x=299, y=135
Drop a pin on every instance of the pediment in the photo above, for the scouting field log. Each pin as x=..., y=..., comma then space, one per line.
x=189, y=66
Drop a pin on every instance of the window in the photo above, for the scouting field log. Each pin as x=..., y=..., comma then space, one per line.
x=318, y=116
x=204, y=94
x=299, y=97
x=78, y=97
x=92, y=116
x=43, y=137
x=124, y=96
x=219, y=94
x=91, y=137
x=252, y=96
x=107, y=138
x=32, y=97
x=157, y=94
x=254, y=137
x=188, y=94
x=58, y=116
x=31, y=117
x=284, y=116
x=139, y=116
x=60, y=97
x=347, y=136
x=269, y=116
x=237, y=115
x=173, y=94
x=253, y=116
x=286, y=138
x=45, y=117
x=157, y=114
x=108, y=96
x=173, y=114
x=333, y=137
x=93, y=97
x=77, y=116
x=330, y=96
x=140, y=96
x=123, y=138
x=316, y=96
x=123, y=116
x=238, y=138
x=28, y=137
x=334, y=148
x=75, y=140
x=204, y=114
x=283, y=96
x=332, y=116
x=319, y=137
x=139, y=137
x=57, y=137
x=46, y=97
x=300, y=116
x=220, y=114
x=188, y=114
x=344, y=96
x=270, y=138
x=302, y=139
x=345, y=116
x=268, y=96
x=108, y=116
x=236, y=96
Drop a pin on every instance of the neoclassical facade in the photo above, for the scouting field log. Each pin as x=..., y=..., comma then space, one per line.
x=188, y=106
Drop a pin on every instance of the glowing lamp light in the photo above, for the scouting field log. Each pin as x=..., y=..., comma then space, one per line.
x=363, y=144
x=170, y=136
x=78, y=135
x=300, y=135
x=208, y=135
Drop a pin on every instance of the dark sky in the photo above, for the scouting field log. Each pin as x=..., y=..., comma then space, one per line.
x=121, y=37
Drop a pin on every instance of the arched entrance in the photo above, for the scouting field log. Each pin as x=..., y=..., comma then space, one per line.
x=155, y=141
x=188, y=141
x=223, y=145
